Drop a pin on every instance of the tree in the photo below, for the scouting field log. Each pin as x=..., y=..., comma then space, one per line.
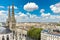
x=58, y=24
x=35, y=33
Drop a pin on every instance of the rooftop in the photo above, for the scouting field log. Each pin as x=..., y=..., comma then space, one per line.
x=54, y=32
x=4, y=30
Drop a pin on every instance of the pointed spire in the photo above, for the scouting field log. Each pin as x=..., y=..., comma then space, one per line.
x=13, y=15
x=13, y=18
x=8, y=19
x=12, y=9
x=9, y=12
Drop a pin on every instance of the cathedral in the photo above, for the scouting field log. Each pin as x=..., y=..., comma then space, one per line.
x=8, y=32
x=11, y=22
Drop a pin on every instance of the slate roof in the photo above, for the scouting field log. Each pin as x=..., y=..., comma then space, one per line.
x=4, y=30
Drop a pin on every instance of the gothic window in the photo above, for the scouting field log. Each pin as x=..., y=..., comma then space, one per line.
x=3, y=38
x=13, y=34
x=7, y=37
x=20, y=35
x=25, y=35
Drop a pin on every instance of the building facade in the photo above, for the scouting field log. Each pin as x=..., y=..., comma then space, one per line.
x=21, y=34
x=47, y=35
x=5, y=33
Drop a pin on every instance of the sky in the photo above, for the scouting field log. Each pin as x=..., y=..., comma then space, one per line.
x=31, y=10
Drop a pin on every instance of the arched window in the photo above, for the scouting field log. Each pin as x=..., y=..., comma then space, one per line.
x=13, y=34
x=3, y=38
x=25, y=35
x=7, y=37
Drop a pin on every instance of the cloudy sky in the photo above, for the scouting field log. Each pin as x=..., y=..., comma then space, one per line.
x=31, y=10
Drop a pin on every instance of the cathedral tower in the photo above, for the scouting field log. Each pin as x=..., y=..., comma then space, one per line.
x=8, y=19
x=13, y=21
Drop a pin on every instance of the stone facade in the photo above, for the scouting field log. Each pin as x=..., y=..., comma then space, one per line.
x=49, y=36
x=8, y=36
x=11, y=22
x=21, y=34
x=5, y=33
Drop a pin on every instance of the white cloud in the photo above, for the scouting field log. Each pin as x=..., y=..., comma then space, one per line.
x=42, y=10
x=22, y=14
x=22, y=17
x=33, y=16
x=30, y=6
x=44, y=14
x=3, y=16
x=3, y=12
x=55, y=8
x=51, y=18
x=47, y=17
x=2, y=7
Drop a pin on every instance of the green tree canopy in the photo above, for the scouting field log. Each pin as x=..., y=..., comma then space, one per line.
x=34, y=33
x=58, y=24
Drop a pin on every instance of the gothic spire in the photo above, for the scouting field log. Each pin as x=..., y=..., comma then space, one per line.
x=8, y=19
x=12, y=9
x=9, y=13
x=13, y=18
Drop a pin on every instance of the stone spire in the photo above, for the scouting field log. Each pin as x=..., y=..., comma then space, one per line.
x=13, y=18
x=8, y=19
x=13, y=23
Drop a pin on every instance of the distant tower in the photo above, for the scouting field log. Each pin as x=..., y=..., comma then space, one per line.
x=13, y=21
x=8, y=19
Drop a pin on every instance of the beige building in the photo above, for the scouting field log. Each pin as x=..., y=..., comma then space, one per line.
x=50, y=35
x=21, y=34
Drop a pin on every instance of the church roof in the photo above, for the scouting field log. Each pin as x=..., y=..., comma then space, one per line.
x=4, y=30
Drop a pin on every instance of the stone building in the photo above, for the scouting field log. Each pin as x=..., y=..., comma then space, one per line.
x=11, y=22
x=21, y=34
x=48, y=35
x=5, y=33
x=18, y=33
